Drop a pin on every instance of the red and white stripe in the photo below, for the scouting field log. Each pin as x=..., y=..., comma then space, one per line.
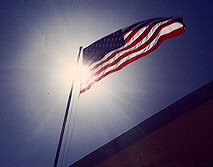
x=140, y=40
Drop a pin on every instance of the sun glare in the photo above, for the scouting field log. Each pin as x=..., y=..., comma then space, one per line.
x=83, y=73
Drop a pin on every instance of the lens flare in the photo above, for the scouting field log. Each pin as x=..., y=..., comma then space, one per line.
x=83, y=73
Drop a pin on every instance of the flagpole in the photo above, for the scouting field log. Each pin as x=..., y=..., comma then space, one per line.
x=65, y=116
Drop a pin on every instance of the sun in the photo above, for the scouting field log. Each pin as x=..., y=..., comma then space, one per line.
x=83, y=73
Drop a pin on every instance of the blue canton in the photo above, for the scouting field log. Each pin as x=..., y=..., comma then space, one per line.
x=97, y=50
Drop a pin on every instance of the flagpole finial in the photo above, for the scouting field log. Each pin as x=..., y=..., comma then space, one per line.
x=79, y=53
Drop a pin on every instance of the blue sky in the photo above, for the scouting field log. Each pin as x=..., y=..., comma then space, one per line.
x=39, y=43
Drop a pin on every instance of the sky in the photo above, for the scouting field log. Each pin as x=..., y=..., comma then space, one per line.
x=39, y=44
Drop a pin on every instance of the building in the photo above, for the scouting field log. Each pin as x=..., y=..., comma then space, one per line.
x=179, y=135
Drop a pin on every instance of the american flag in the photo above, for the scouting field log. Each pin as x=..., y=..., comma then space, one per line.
x=124, y=46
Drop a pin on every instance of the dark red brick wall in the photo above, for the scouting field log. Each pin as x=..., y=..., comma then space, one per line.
x=186, y=141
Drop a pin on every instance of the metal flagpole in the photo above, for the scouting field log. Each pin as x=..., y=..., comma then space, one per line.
x=65, y=117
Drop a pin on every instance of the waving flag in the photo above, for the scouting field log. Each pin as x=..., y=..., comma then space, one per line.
x=124, y=46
